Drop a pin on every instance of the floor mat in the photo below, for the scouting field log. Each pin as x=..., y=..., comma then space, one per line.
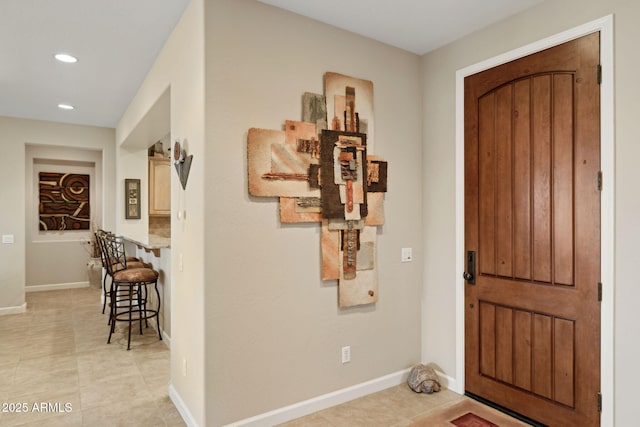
x=468, y=413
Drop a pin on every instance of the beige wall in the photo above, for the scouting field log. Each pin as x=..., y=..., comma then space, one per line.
x=439, y=72
x=273, y=328
x=15, y=134
x=179, y=68
x=59, y=258
x=256, y=326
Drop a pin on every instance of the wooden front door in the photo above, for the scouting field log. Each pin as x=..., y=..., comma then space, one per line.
x=532, y=220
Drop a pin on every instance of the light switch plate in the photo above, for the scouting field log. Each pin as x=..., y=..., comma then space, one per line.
x=346, y=354
x=406, y=255
x=7, y=238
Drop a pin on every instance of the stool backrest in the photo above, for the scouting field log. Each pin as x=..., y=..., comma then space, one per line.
x=115, y=259
x=100, y=237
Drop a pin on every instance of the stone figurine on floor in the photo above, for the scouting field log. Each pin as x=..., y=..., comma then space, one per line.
x=423, y=379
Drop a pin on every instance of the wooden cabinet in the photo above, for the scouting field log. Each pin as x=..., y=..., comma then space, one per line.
x=159, y=186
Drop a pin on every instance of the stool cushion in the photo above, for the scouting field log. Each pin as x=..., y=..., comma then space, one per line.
x=135, y=275
x=113, y=260
x=133, y=264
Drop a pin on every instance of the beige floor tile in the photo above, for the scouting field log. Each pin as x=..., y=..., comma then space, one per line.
x=7, y=379
x=105, y=364
x=14, y=325
x=87, y=297
x=366, y=411
x=178, y=422
x=55, y=344
x=134, y=415
x=73, y=419
x=56, y=352
x=158, y=385
x=139, y=342
x=88, y=325
x=42, y=407
x=313, y=420
x=169, y=413
x=93, y=342
x=51, y=323
x=152, y=362
x=10, y=350
x=394, y=407
x=409, y=404
x=43, y=375
x=442, y=407
x=150, y=344
x=115, y=392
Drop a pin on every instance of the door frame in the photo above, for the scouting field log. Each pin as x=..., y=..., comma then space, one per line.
x=605, y=26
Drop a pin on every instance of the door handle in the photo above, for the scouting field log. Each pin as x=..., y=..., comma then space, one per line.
x=470, y=274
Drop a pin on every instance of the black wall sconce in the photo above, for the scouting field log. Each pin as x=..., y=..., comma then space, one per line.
x=182, y=162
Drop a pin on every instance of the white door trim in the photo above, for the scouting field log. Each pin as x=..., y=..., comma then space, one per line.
x=605, y=27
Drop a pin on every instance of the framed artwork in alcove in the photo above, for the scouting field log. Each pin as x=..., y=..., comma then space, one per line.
x=64, y=201
x=132, y=199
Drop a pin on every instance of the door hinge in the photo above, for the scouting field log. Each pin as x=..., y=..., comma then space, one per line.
x=600, y=291
x=599, y=181
x=599, y=402
x=599, y=74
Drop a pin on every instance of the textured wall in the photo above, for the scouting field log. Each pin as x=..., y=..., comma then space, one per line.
x=51, y=138
x=439, y=72
x=178, y=72
x=274, y=330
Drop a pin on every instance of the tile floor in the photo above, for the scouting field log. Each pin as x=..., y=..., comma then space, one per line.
x=394, y=407
x=57, y=354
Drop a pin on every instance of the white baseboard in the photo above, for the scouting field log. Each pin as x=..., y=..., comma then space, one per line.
x=449, y=383
x=310, y=406
x=325, y=401
x=166, y=339
x=13, y=310
x=181, y=407
x=56, y=287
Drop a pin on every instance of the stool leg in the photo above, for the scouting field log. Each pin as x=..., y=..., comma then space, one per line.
x=112, y=300
x=141, y=312
x=104, y=291
x=130, y=315
x=112, y=307
x=155, y=284
x=144, y=305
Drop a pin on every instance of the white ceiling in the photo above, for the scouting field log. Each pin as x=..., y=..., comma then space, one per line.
x=117, y=42
x=418, y=26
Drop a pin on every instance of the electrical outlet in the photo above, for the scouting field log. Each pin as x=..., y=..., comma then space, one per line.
x=346, y=354
x=406, y=255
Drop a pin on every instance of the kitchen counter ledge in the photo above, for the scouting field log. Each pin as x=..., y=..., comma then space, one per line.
x=150, y=243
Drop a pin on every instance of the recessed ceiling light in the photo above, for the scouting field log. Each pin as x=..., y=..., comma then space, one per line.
x=66, y=106
x=64, y=57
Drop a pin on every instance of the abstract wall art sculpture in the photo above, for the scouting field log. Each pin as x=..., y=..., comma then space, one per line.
x=64, y=201
x=322, y=170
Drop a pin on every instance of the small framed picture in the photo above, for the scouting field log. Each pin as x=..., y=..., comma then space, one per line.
x=132, y=199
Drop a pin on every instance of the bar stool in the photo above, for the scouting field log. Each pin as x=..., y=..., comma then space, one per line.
x=129, y=290
x=102, y=237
